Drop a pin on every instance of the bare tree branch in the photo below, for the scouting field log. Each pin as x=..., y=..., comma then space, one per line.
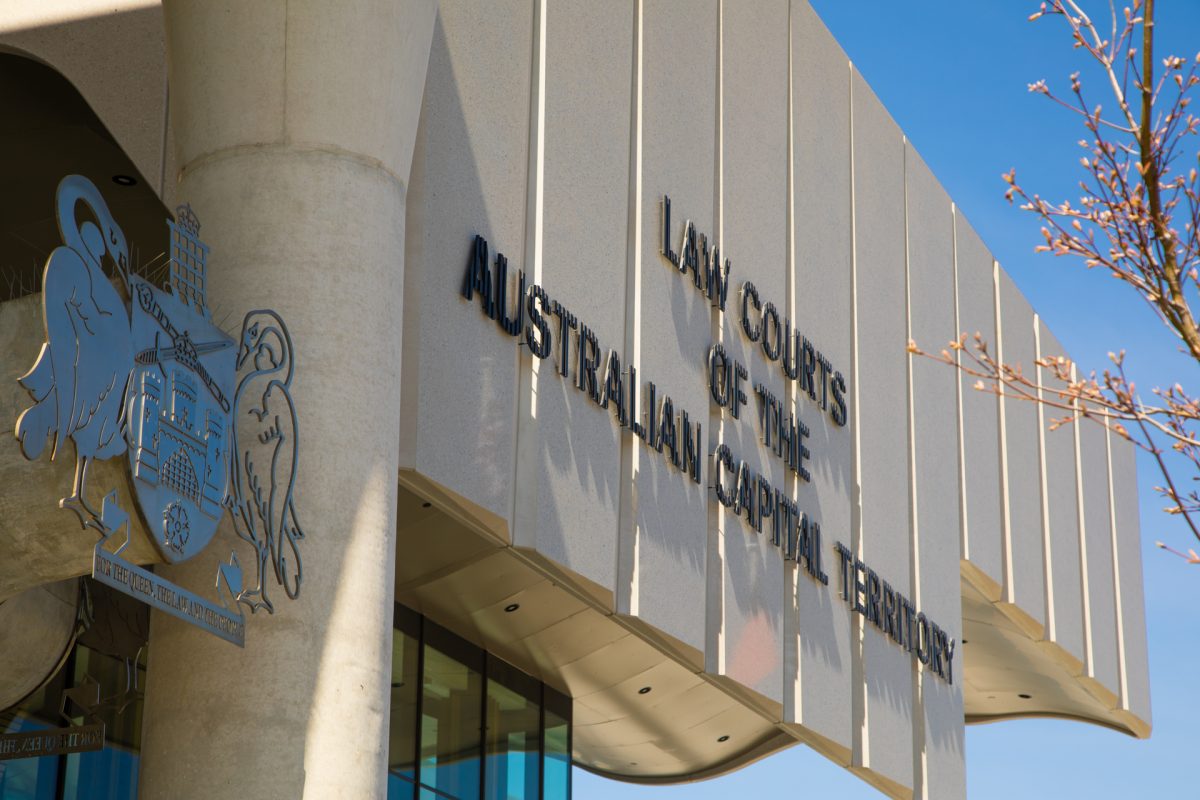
x=1135, y=218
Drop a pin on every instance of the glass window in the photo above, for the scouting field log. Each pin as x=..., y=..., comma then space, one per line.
x=406, y=685
x=398, y=788
x=556, y=746
x=467, y=726
x=110, y=773
x=31, y=778
x=513, y=725
x=451, y=716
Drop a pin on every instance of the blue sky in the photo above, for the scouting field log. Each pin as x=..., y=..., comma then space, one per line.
x=954, y=76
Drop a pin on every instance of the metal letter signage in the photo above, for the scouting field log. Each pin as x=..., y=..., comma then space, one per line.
x=738, y=485
x=52, y=742
x=197, y=412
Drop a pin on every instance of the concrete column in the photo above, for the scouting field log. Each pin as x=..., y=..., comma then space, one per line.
x=294, y=124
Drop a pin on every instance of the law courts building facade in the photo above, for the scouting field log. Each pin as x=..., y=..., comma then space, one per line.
x=610, y=452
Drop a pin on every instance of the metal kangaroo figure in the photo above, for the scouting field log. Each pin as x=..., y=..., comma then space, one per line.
x=263, y=455
x=79, y=380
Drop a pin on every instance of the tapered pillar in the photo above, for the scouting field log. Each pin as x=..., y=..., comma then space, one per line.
x=294, y=124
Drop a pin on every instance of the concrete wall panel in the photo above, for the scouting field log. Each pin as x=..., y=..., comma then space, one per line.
x=880, y=391
x=979, y=417
x=584, y=223
x=934, y=436
x=469, y=177
x=1101, y=671
x=678, y=157
x=819, y=635
x=754, y=236
x=1024, y=583
x=1135, y=667
x=1064, y=621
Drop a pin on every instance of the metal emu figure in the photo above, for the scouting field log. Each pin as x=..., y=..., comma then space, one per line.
x=79, y=379
x=263, y=455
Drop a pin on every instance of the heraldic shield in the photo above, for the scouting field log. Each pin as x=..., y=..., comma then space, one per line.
x=153, y=377
x=179, y=405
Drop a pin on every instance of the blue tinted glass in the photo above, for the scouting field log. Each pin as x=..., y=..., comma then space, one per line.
x=557, y=757
x=513, y=727
x=406, y=687
x=110, y=773
x=451, y=710
x=27, y=778
x=476, y=724
x=398, y=788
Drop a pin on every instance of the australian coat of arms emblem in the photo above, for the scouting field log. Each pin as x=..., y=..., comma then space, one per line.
x=206, y=422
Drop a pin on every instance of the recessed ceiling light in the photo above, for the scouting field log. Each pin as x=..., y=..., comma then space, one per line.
x=724, y=738
x=426, y=504
x=644, y=690
x=1024, y=696
x=124, y=180
x=511, y=607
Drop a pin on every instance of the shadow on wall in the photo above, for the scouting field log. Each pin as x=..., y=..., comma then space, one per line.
x=488, y=199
